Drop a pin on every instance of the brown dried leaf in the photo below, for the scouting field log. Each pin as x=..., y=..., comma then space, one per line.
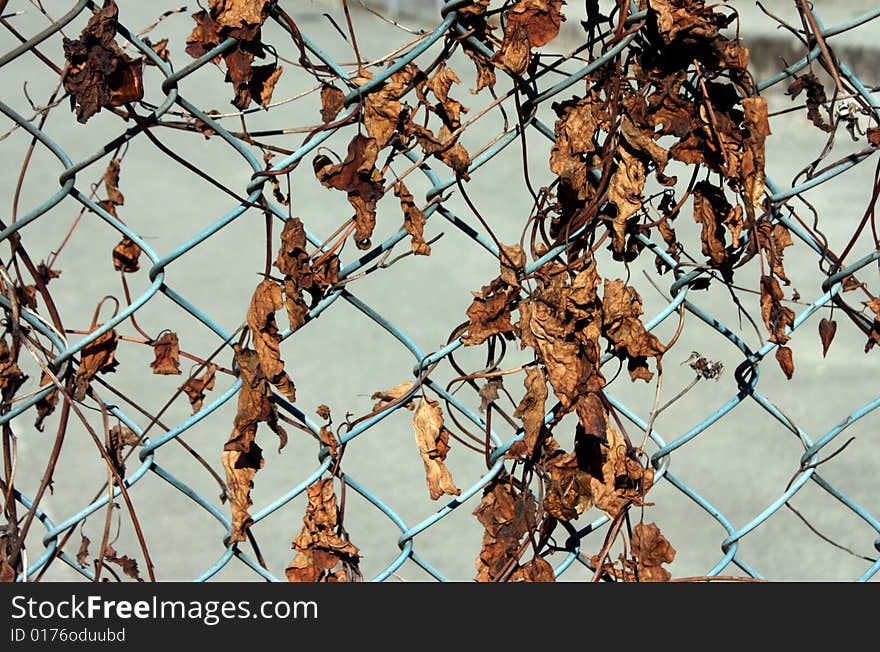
x=413, y=220
x=160, y=48
x=532, y=409
x=757, y=128
x=236, y=14
x=712, y=211
x=167, y=352
x=874, y=136
x=267, y=340
x=128, y=565
x=773, y=239
x=389, y=396
x=568, y=493
x=241, y=467
x=195, y=387
x=320, y=549
x=82, y=555
x=358, y=177
x=382, y=108
x=11, y=375
x=874, y=335
x=126, y=255
x=99, y=74
x=488, y=393
x=616, y=476
x=204, y=37
x=651, y=550
x=815, y=98
x=776, y=316
x=536, y=570
x=118, y=438
x=531, y=23
x=46, y=405
x=625, y=192
x=98, y=355
x=783, y=357
x=111, y=182
x=263, y=81
x=623, y=328
x=507, y=515
x=331, y=102
x=827, y=329
x=489, y=313
x=432, y=438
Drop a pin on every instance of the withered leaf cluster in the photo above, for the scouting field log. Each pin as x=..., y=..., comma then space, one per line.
x=243, y=21
x=324, y=552
x=509, y=515
x=99, y=74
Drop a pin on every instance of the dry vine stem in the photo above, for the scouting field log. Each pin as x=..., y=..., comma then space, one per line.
x=668, y=87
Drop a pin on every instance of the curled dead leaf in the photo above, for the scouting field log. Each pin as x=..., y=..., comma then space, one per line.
x=167, y=352
x=323, y=554
x=432, y=438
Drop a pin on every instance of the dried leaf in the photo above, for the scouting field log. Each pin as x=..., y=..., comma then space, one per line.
x=382, y=107
x=490, y=311
x=320, y=548
x=389, y=396
x=568, y=492
x=776, y=316
x=160, y=48
x=488, y=393
x=874, y=335
x=323, y=411
x=167, y=355
x=713, y=212
x=827, y=329
x=536, y=570
x=11, y=375
x=118, y=438
x=98, y=355
x=126, y=255
x=783, y=357
x=507, y=514
x=874, y=136
x=111, y=182
x=531, y=23
x=413, y=220
x=616, y=476
x=331, y=102
x=238, y=14
x=623, y=328
x=128, y=565
x=267, y=340
x=815, y=98
x=432, y=438
x=241, y=467
x=195, y=387
x=532, y=409
x=651, y=549
x=46, y=405
x=99, y=74
x=82, y=555
x=358, y=177
x=625, y=192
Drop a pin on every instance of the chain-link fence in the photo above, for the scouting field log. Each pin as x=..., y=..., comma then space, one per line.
x=435, y=418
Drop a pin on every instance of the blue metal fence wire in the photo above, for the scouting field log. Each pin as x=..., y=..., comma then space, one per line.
x=65, y=353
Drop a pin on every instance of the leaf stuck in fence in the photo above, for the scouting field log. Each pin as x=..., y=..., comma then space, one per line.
x=323, y=554
x=432, y=438
x=99, y=73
